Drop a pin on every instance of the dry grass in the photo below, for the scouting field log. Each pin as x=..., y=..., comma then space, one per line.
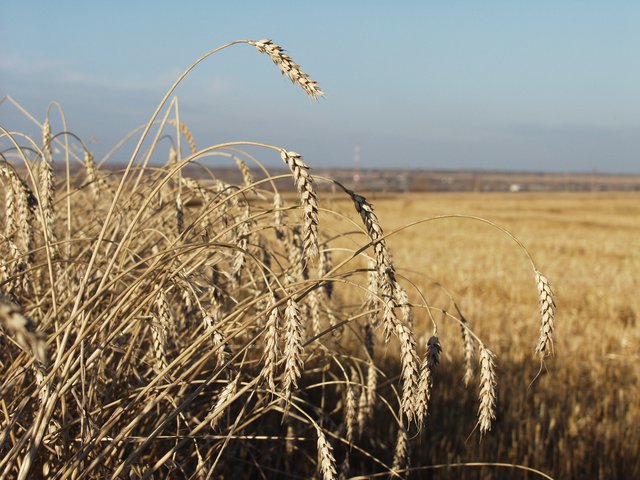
x=159, y=325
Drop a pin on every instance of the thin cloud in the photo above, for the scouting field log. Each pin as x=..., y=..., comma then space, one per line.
x=53, y=72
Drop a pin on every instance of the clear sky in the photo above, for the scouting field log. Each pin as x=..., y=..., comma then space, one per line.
x=515, y=85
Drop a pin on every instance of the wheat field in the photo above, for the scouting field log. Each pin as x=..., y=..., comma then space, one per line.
x=579, y=419
x=160, y=325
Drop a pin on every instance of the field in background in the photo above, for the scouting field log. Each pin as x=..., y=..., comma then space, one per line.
x=413, y=181
x=388, y=180
x=580, y=419
x=484, y=181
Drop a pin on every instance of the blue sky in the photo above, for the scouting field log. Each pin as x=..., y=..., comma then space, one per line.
x=513, y=85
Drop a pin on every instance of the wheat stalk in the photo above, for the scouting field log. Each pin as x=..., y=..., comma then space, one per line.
x=46, y=139
x=314, y=307
x=326, y=461
x=288, y=67
x=308, y=200
x=96, y=181
x=16, y=271
x=371, y=300
x=53, y=426
x=487, y=409
x=386, y=276
x=271, y=348
x=293, y=348
x=289, y=446
x=161, y=328
x=221, y=347
x=179, y=214
x=223, y=402
x=196, y=187
x=172, y=162
x=375, y=232
x=10, y=211
x=26, y=202
x=247, y=177
x=401, y=452
x=372, y=385
x=23, y=331
x=186, y=133
x=203, y=193
x=241, y=232
x=211, y=320
x=547, y=313
x=279, y=215
x=325, y=265
x=19, y=210
x=351, y=407
x=47, y=193
x=364, y=412
x=410, y=372
x=402, y=300
x=431, y=361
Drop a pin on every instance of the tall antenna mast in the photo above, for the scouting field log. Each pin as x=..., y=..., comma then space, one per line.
x=356, y=164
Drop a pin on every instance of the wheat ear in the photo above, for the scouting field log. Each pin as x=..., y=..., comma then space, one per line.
x=487, y=409
x=46, y=139
x=26, y=203
x=431, y=361
x=467, y=344
x=288, y=67
x=410, y=372
x=247, y=177
x=372, y=386
x=223, y=402
x=401, y=452
x=325, y=265
x=47, y=193
x=186, y=133
x=19, y=209
x=271, y=348
x=313, y=302
x=217, y=338
x=179, y=214
x=386, y=275
x=10, y=211
x=293, y=347
x=326, y=461
x=161, y=328
x=374, y=230
x=15, y=270
x=241, y=232
x=372, y=294
x=280, y=219
x=351, y=407
x=23, y=331
x=547, y=313
x=308, y=200
x=402, y=300
x=96, y=182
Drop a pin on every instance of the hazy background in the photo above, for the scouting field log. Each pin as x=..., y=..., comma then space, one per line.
x=541, y=86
